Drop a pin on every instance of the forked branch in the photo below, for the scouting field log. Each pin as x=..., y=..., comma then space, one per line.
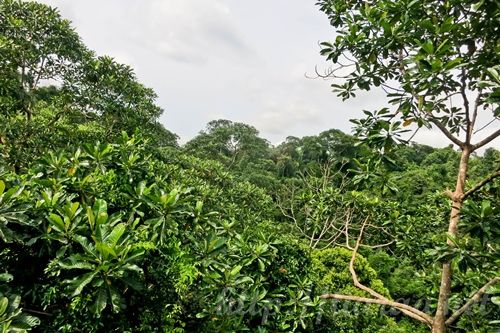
x=377, y=298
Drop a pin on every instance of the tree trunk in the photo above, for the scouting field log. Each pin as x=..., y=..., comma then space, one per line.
x=439, y=325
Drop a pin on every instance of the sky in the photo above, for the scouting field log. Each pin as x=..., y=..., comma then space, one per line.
x=246, y=61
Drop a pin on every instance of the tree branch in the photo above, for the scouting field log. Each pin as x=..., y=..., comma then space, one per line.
x=410, y=311
x=481, y=184
x=474, y=114
x=488, y=124
x=472, y=300
x=447, y=133
x=487, y=140
x=37, y=312
x=463, y=87
x=379, y=299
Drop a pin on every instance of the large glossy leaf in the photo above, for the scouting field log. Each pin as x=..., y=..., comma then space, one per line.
x=78, y=283
x=115, y=234
x=86, y=244
x=101, y=300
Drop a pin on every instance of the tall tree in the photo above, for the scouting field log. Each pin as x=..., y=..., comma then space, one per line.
x=438, y=64
x=36, y=45
x=229, y=142
x=237, y=146
x=55, y=92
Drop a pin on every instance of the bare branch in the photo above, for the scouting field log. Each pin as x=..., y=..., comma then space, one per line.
x=406, y=309
x=488, y=124
x=424, y=318
x=487, y=140
x=331, y=72
x=347, y=223
x=481, y=184
x=413, y=135
x=353, y=271
x=378, y=245
x=326, y=226
x=448, y=193
x=475, y=112
x=37, y=312
x=476, y=297
x=388, y=87
x=463, y=87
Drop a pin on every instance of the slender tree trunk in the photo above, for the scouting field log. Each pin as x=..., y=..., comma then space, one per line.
x=439, y=325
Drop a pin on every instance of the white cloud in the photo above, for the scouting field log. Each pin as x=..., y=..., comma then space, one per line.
x=240, y=60
x=192, y=31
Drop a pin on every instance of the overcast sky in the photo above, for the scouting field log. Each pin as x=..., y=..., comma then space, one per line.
x=245, y=61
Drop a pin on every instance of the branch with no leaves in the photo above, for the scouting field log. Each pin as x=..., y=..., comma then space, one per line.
x=377, y=298
x=331, y=72
x=400, y=306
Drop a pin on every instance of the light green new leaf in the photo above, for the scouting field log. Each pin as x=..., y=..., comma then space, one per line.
x=4, y=303
x=115, y=234
x=235, y=271
x=57, y=222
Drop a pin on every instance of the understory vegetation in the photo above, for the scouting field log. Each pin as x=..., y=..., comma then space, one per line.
x=107, y=224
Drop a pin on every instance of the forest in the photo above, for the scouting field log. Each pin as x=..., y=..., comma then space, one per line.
x=108, y=224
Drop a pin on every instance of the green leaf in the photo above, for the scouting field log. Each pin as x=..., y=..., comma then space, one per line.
x=242, y=280
x=236, y=270
x=132, y=267
x=101, y=300
x=100, y=209
x=262, y=267
x=201, y=315
x=115, y=299
x=24, y=322
x=136, y=254
x=216, y=244
x=6, y=277
x=443, y=46
x=56, y=222
x=115, y=234
x=91, y=218
x=486, y=209
x=428, y=47
x=4, y=303
x=79, y=283
x=85, y=243
x=74, y=208
x=75, y=264
x=105, y=250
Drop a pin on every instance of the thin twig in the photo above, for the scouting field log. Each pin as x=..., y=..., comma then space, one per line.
x=487, y=140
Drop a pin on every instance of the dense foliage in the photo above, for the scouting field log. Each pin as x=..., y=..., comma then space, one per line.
x=108, y=225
